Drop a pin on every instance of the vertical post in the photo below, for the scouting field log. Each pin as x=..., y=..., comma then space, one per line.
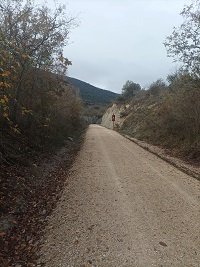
x=113, y=120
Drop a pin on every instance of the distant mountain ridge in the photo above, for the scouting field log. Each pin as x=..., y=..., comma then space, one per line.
x=91, y=94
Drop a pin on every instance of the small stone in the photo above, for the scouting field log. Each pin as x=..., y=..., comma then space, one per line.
x=163, y=244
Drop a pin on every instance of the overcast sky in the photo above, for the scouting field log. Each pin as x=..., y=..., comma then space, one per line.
x=120, y=40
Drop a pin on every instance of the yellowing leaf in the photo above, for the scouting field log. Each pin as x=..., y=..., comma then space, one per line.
x=61, y=58
x=5, y=73
x=3, y=84
x=7, y=85
x=2, y=234
x=4, y=53
x=25, y=56
x=2, y=101
x=5, y=114
x=25, y=111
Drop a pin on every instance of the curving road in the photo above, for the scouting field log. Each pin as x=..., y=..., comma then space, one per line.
x=123, y=206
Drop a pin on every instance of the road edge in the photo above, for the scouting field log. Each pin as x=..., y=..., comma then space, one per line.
x=159, y=152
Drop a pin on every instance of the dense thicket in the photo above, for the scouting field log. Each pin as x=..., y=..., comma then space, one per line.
x=167, y=115
x=37, y=105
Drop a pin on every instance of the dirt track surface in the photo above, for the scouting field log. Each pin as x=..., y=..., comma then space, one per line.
x=123, y=206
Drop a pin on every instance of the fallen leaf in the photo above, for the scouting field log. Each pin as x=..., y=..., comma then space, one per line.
x=2, y=234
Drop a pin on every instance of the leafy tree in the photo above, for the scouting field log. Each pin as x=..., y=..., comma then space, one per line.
x=156, y=87
x=184, y=42
x=38, y=32
x=130, y=89
x=35, y=98
x=31, y=45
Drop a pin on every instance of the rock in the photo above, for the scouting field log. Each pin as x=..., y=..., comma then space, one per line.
x=162, y=244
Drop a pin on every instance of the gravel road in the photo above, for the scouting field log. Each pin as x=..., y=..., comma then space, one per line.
x=123, y=206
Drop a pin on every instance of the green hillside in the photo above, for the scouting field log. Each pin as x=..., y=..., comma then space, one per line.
x=91, y=94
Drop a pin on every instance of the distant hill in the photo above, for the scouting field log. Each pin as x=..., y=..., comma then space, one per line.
x=91, y=94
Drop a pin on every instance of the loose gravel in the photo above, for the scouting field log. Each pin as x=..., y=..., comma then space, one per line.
x=123, y=206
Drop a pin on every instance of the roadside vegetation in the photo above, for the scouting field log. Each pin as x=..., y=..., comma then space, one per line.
x=168, y=113
x=37, y=106
x=40, y=113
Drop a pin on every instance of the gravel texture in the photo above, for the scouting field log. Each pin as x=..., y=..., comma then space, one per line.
x=123, y=206
x=191, y=169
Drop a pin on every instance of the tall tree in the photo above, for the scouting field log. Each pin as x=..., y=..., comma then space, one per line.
x=37, y=31
x=32, y=39
x=184, y=42
x=130, y=89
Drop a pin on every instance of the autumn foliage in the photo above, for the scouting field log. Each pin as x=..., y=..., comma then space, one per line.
x=36, y=101
x=39, y=111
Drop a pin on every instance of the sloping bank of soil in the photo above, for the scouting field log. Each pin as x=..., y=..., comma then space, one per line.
x=28, y=195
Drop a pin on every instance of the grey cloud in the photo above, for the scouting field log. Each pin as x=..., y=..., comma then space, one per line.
x=121, y=40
